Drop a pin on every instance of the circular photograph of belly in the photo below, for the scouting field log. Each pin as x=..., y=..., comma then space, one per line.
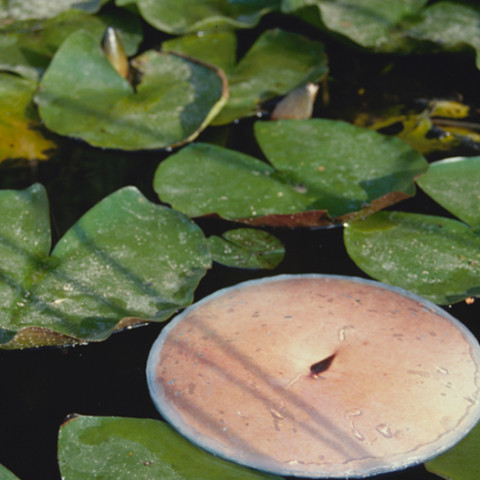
x=317, y=376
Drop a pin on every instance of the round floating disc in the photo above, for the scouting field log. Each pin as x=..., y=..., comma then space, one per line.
x=317, y=376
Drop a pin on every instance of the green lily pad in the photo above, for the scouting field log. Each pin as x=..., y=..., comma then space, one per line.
x=435, y=257
x=343, y=167
x=130, y=5
x=37, y=9
x=450, y=25
x=21, y=138
x=6, y=474
x=373, y=24
x=216, y=48
x=114, y=448
x=28, y=46
x=183, y=16
x=246, y=248
x=203, y=179
x=81, y=95
x=461, y=462
x=319, y=165
x=278, y=62
x=125, y=261
x=453, y=183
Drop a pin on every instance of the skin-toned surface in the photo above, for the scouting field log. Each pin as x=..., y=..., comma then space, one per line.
x=317, y=376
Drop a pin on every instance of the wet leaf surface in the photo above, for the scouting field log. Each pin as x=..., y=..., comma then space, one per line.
x=246, y=248
x=344, y=167
x=435, y=257
x=6, y=474
x=370, y=23
x=277, y=62
x=113, y=448
x=183, y=16
x=21, y=140
x=357, y=173
x=450, y=25
x=82, y=96
x=125, y=261
x=403, y=26
x=203, y=179
x=35, y=9
x=453, y=183
x=461, y=462
x=217, y=48
x=28, y=46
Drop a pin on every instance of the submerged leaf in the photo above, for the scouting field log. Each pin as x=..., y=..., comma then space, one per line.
x=278, y=62
x=125, y=261
x=439, y=125
x=81, y=95
x=114, y=448
x=21, y=140
x=435, y=257
x=183, y=16
x=454, y=184
x=246, y=248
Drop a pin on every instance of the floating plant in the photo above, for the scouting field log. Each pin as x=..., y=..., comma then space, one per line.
x=321, y=172
x=433, y=256
x=124, y=262
x=81, y=95
x=317, y=376
x=276, y=63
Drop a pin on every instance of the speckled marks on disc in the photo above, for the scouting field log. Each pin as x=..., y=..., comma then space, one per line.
x=233, y=374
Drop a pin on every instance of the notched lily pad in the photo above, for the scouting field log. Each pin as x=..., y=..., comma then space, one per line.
x=114, y=448
x=125, y=261
x=246, y=248
x=278, y=61
x=81, y=95
x=435, y=257
x=183, y=16
x=318, y=167
x=21, y=137
x=454, y=184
